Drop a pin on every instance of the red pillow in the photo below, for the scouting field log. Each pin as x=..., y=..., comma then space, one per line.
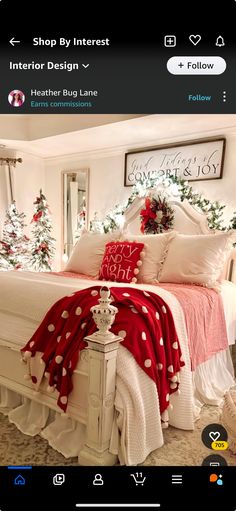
x=121, y=261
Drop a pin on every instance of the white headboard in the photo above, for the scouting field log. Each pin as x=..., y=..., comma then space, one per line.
x=187, y=220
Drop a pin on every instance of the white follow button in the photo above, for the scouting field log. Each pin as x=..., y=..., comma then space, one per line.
x=196, y=65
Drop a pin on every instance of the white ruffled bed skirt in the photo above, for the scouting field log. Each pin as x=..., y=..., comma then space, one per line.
x=210, y=382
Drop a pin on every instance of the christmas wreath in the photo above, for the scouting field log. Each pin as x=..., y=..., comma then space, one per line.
x=157, y=216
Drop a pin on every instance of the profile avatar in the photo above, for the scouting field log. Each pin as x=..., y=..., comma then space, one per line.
x=16, y=98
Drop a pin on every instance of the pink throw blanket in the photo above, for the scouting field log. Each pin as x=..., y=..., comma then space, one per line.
x=204, y=317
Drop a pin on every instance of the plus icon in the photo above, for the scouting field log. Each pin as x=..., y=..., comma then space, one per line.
x=170, y=41
x=181, y=65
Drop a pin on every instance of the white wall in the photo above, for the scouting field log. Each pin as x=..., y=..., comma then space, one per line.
x=223, y=189
x=107, y=178
x=106, y=185
x=29, y=177
x=53, y=191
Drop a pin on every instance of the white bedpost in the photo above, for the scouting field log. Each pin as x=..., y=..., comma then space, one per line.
x=102, y=349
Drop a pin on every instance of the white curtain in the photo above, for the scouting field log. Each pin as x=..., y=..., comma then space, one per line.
x=5, y=194
x=73, y=210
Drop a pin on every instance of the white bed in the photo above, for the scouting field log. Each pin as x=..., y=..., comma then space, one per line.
x=105, y=405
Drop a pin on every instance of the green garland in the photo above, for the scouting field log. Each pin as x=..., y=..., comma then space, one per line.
x=213, y=210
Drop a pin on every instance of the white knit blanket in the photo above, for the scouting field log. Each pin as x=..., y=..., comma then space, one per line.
x=137, y=399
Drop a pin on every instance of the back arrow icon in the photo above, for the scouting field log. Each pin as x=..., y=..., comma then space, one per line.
x=13, y=41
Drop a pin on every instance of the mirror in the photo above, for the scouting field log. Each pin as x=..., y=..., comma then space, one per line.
x=75, y=207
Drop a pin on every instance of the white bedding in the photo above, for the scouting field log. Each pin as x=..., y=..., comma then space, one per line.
x=32, y=294
x=228, y=293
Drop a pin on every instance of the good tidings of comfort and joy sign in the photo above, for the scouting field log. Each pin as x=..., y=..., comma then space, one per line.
x=192, y=161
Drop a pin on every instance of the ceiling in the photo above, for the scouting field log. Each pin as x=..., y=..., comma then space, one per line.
x=35, y=134
x=32, y=127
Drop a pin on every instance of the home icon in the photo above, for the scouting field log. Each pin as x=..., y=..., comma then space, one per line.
x=19, y=481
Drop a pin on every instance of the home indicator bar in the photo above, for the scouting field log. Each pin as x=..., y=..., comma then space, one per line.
x=140, y=506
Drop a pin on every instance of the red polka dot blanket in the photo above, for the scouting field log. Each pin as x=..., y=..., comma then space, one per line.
x=144, y=321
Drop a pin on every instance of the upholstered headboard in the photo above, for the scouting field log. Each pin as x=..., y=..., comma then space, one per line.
x=187, y=220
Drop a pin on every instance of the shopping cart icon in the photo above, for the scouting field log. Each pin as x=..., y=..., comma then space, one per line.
x=138, y=478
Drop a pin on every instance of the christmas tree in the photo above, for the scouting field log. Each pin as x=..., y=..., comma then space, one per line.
x=43, y=244
x=14, y=244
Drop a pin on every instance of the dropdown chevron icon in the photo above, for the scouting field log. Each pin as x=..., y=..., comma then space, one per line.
x=85, y=65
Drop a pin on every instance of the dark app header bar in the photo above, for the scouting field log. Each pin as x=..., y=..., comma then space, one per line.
x=164, y=65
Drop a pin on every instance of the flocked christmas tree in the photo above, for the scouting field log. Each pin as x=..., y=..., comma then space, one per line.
x=14, y=246
x=42, y=244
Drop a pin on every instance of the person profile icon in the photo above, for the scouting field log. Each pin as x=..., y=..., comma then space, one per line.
x=16, y=98
x=98, y=480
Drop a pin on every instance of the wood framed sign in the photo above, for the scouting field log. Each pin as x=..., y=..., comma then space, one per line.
x=195, y=160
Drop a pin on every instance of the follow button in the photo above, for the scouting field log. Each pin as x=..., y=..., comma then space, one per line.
x=196, y=65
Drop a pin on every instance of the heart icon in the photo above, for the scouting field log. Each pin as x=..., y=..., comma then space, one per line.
x=214, y=435
x=195, y=39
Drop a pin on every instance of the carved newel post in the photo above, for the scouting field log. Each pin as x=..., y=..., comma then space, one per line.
x=102, y=348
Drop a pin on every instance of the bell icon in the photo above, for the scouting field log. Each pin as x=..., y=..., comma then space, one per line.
x=220, y=41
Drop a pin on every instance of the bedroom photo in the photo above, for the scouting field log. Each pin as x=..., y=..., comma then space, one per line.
x=118, y=289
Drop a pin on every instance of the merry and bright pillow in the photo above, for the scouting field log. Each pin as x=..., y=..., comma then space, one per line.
x=121, y=261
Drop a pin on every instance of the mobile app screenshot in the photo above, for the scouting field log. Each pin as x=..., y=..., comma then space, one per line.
x=117, y=264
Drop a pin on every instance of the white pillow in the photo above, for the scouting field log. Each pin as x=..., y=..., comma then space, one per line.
x=155, y=247
x=88, y=252
x=197, y=259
